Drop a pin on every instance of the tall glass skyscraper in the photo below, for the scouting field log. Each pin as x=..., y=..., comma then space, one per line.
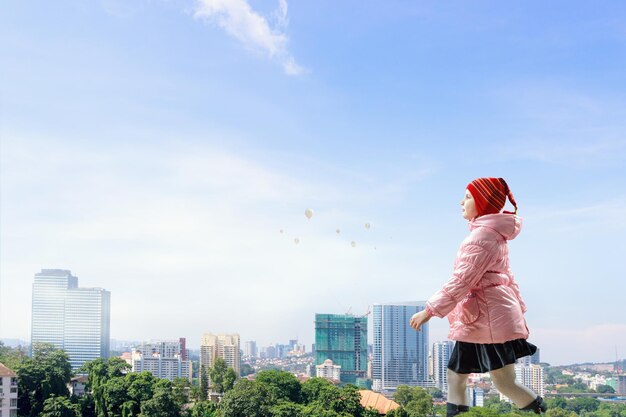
x=400, y=353
x=74, y=319
x=342, y=339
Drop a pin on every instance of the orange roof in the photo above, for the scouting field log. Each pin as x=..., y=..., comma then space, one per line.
x=378, y=401
x=4, y=371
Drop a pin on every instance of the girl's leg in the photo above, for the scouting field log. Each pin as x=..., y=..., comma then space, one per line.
x=505, y=382
x=457, y=388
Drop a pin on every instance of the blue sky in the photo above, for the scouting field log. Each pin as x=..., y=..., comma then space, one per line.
x=156, y=148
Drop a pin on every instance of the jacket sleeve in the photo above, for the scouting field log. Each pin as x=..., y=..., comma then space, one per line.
x=471, y=264
x=515, y=289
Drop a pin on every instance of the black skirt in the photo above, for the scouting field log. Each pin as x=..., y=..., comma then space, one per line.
x=467, y=358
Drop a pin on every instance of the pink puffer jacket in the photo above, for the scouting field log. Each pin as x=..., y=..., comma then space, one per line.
x=481, y=300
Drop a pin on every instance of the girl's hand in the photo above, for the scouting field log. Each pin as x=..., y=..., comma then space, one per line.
x=418, y=319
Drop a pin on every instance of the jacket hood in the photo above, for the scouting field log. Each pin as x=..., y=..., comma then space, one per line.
x=508, y=225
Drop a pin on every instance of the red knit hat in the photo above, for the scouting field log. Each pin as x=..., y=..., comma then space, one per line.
x=490, y=195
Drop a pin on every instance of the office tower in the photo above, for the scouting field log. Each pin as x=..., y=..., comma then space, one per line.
x=328, y=370
x=225, y=346
x=441, y=357
x=87, y=324
x=8, y=392
x=249, y=349
x=71, y=318
x=400, y=353
x=292, y=344
x=343, y=340
x=476, y=396
x=163, y=359
x=270, y=352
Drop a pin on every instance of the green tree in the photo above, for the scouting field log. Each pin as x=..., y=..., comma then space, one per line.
x=140, y=386
x=59, y=407
x=398, y=412
x=202, y=409
x=46, y=374
x=12, y=357
x=204, y=382
x=578, y=405
x=229, y=379
x=285, y=386
x=560, y=412
x=115, y=394
x=435, y=392
x=315, y=389
x=216, y=373
x=414, y=400
x=287, y=409
x=605, y=389
x=99, y=372
x=482, y=412
x=556, y=402
x=181, y=389
x=246, y=369
x=163, y=403
x=319, y=409
x=247, y=399
x=500, y=407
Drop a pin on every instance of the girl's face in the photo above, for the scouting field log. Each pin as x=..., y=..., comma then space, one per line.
x=468, y=206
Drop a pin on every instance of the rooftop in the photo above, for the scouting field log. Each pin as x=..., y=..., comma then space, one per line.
x=4, y=371
x=377, y=401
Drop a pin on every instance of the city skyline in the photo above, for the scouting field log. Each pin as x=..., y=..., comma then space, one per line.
x=167, y=151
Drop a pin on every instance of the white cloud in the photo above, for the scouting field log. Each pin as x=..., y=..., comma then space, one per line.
x=252, y=29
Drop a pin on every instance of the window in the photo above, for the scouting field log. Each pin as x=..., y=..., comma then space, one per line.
x=13, y=402
x=13, y=390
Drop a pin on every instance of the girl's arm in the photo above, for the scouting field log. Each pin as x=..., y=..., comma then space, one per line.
x=473, y=261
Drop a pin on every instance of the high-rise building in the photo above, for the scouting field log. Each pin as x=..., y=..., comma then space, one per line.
x=225, y=346
x=476, y=396
x=441, y=357
x=328, y=370
x=163, y=359
x=8, y=392
x=400, y=353
x=343, y=340
x=71, y=318
x=249, y=349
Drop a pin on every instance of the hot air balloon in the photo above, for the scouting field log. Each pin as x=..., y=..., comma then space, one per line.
x=353, y=244
x=367, y=226
x=296, y=241
x=338, y=231
x=308, y=213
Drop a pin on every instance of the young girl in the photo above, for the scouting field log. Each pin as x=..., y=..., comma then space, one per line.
x=483, y=302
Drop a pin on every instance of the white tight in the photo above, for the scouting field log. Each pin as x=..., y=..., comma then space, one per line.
x=503, y=379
